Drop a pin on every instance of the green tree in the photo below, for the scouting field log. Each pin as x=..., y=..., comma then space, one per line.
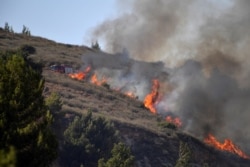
x=27, y=49
x=26, y=31
x=184, y=155
x=6, y=27
x=24, y=118
x=95, y=45
x=54, y=102
x=87, y=139
x=121, y=157
x=8, y=157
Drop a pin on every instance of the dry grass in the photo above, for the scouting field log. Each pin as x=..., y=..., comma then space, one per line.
x=47, y=51
x=152, y=145
x=79, y=96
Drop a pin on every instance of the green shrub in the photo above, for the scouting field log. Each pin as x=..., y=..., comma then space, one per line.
x=28, y=49
x=168, y=125
x=54, y=102
x=95, y=45
x=184, y=155
x=87, y=139
x=8, y=157
x=24, y=119
x=121, y=157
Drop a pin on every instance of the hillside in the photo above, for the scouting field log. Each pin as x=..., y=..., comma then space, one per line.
x=150, y=143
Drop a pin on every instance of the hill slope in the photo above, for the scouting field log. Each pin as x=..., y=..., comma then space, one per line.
x=151, y=144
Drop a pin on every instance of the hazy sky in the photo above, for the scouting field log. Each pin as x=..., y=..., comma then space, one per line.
x=62, y=21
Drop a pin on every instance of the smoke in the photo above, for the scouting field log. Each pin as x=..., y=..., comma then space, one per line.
x=198, y=49
x=123, y=73
x=145, y=30
x=209, y=104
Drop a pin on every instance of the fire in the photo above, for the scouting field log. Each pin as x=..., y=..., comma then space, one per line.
x=130, y=94
x=175, y=121
x=152, y=97
x=95, y=80
x=80, y=75
x=228, y=145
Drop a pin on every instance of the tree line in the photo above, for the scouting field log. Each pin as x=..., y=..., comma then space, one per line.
x=25, y=30
x=25, y=135
x=26, y=118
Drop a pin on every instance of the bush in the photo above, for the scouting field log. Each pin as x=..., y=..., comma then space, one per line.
x=184, y=155
x=95, y=46
x=54, y=102
x=121, y=157
x=168, y=125
x=27, y=49
x=87, y=139
x=8, y=157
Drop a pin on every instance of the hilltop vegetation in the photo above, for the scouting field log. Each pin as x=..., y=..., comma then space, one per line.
x=26, y=136
x=94, y=125
x=24, y=119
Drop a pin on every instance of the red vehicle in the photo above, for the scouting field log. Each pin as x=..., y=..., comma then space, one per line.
x=61, y=69
x=57, y=68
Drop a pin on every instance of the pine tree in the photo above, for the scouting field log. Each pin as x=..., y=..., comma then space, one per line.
x=24, y=117
x=6, y=27
x=54, y=102
x=87, y=139
x=8, y=157
x=121, y=157
x=184, y=155
x=96, y=45
x=26, y=31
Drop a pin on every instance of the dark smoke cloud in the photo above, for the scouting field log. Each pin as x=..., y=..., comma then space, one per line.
x=209, y=104
x=204, y=44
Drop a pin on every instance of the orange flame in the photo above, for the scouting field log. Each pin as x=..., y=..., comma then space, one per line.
x=151, y=98
x=80, y=75
x=130, y=94
x=175, y=121
x=228, y=145
x=95, y=80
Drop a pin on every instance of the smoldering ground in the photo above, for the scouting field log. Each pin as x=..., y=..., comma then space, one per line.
x=202, y=50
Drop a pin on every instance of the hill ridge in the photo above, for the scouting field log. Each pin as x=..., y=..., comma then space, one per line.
x=151, y=144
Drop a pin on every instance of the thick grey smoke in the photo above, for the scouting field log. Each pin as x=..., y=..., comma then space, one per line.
x=204, y=44
x=166, y=30
x=124, y=73
x=145, y=30
x=213, y=103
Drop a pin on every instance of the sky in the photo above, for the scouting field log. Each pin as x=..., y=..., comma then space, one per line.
x=63, y=21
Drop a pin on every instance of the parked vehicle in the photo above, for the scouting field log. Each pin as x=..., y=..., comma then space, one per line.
x=62, y=69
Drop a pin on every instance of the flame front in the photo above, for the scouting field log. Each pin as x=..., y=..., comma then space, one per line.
x=95, y=80
x=175, y=121
x=80, y=75
x=228, y=145
x=151, y=98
